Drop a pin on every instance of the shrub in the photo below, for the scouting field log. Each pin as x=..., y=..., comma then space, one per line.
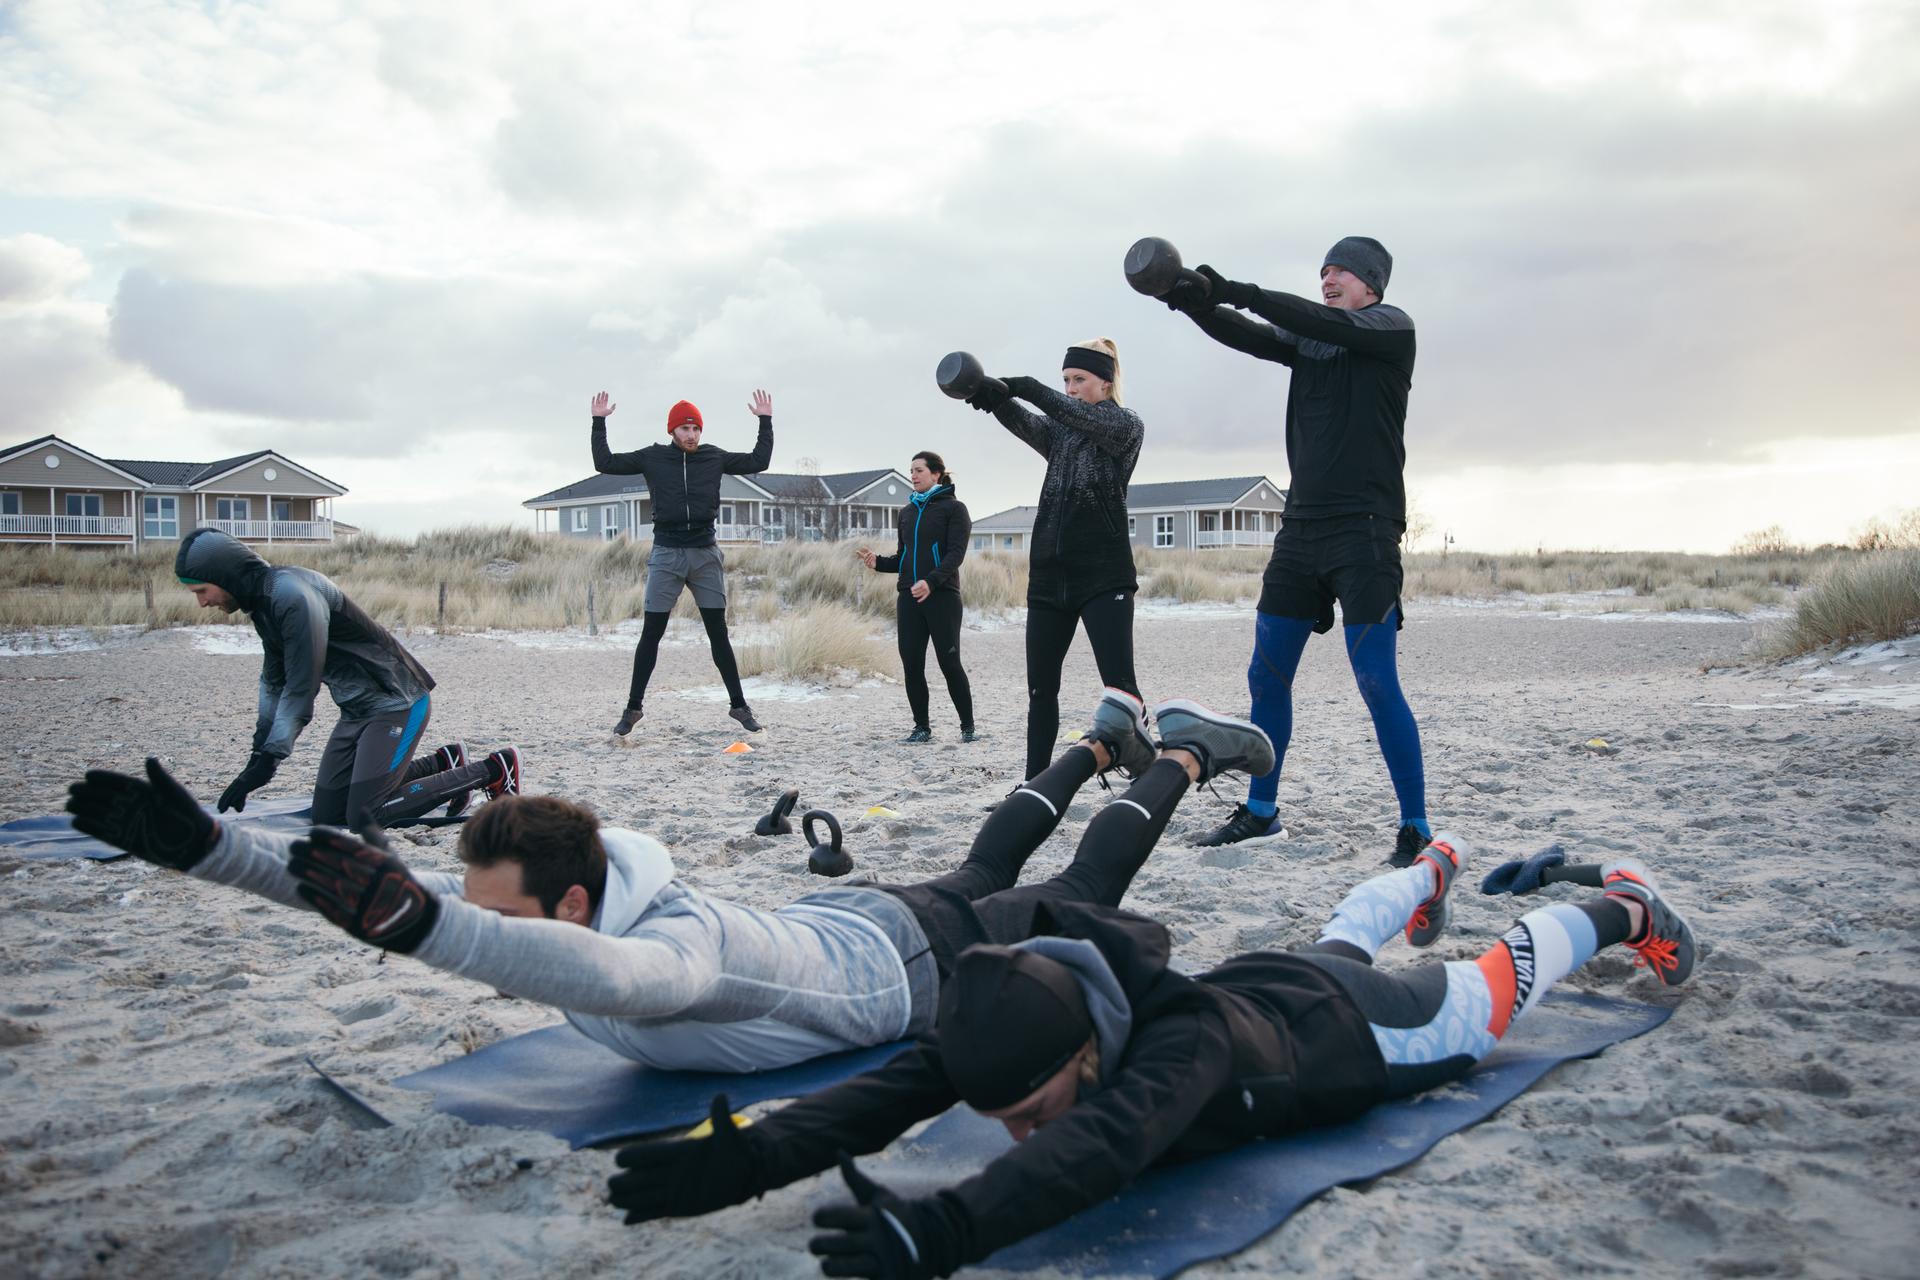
x=1874, y=597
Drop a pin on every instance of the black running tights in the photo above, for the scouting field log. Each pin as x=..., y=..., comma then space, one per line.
x=1108, y=619
x=938, y=621
x=648, y=652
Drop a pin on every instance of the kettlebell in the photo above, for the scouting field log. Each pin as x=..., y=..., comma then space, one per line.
x=825, y=859
x=960, y=375
x=778, y=823
x=1153, y=267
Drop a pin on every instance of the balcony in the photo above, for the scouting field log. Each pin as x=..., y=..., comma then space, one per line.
x=273, y=530
x=68, y=526
x=1233, y=538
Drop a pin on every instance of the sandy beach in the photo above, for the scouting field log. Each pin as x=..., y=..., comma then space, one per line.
x=156, y=1118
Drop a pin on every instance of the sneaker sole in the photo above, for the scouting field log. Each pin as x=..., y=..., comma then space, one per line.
x=1209, y=716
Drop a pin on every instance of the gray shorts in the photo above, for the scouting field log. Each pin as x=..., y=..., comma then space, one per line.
x=671, y=568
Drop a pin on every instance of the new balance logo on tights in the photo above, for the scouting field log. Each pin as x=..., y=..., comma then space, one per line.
x=1519, y=942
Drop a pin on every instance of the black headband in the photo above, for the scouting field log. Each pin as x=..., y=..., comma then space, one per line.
x=1097, y=363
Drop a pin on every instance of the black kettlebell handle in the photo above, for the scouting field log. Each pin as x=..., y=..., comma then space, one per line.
x=833, y=830
x=960, y=375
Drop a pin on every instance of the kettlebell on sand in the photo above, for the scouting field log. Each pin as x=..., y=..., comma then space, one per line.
x=778, y=823
x=825, y=859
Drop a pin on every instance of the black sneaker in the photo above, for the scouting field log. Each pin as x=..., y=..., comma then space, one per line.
x=447, y=758
x=628, y=718
x=920, y=734
x=1245, y=824
x=967, y=734
x=744, y=714
x=1222, y=743
x=1407, y=846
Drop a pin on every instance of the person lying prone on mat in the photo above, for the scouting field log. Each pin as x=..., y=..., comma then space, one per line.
x=554, y=907
x=1101, y=1061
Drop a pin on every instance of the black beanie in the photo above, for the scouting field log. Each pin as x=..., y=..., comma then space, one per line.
x=1008, y=1021
x=1366, y=258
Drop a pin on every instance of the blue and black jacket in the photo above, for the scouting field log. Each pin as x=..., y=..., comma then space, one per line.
x=934, y=529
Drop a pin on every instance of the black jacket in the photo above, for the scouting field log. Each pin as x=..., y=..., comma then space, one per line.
x=1265, y=1044
x=1080, y=546
x=311, y=634
x=933, y=542
x=1346, y=401
x=684, y=487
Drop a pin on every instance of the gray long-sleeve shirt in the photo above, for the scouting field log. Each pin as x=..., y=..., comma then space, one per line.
x=666, y=976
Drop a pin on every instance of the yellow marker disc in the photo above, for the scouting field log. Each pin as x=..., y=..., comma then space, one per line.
x=1597, y=743
x=881, y=811
x=705, y=1128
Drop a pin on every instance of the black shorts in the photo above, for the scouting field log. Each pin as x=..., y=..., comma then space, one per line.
x=1352, y=559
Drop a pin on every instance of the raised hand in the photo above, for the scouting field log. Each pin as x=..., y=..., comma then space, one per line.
x=258, y=773
x=155, y=820
x=365, y=890
x=687, y=1176
x=865, y=555
x=1220, y=289
x=761, y=406
x=603, y=405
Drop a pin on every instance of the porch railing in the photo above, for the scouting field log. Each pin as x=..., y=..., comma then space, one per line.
x=77, y=526
x=274, y=530
x=1232, y=538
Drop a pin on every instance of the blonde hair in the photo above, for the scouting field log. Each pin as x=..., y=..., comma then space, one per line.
x=1106, y=346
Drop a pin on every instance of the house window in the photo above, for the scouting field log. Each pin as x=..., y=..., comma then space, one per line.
x=776, y=516
x=980, y=542
x=232, y=509
x=1163, y=531
x=1006, y=542
x=1131, y=523
x=1208, y=522
x=582, y=519
x=83, y=504
x=160, y=517
x=858, y=517
x=726, y=513
x=9, y=504
x=282, y=511
x=610, y=522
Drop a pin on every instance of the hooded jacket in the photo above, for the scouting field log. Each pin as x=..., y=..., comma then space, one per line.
x=933, y=542
x=311, y=634
x=1265, y=1044
x=1080, y=546
x=685, y=487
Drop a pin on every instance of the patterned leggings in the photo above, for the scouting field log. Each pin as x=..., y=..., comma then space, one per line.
x=1434, y=1022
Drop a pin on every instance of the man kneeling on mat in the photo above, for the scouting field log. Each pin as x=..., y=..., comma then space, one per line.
x=661, y=972
x=1101, y=1061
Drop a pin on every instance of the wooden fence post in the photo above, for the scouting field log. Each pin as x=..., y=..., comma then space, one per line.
x=593, y=621
x=440, y=622
x=153, y=620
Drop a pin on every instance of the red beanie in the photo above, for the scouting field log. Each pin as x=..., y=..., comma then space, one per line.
x=683, y=413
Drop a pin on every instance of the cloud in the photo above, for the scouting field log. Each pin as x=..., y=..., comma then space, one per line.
x=37, y=269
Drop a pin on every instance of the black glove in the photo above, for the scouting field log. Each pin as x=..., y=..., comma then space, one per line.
x=365, y=890
x=687, y=1176
x=1227, y=292
x=1188, y=297
x=156, y=819
x=988, y=398
x=869, y=1237
x=257, y=774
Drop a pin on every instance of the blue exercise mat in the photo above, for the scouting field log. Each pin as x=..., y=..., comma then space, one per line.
x=558, y=1081
x=53, y=837
x=1174, y=1217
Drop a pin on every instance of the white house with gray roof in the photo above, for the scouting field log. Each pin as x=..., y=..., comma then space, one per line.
x=52, y=492
x=768, y=507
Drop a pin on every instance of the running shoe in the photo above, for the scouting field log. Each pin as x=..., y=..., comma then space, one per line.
x=1447, y=854
x=1222, y=743
x=454, y=756
x=1245, y=824
x=1120, y=724
x=1665, y=945
x=920, y=734
x=744, y=714
x=506, y=782
x=628, y=718
x=967, y=734
x=1407, y=846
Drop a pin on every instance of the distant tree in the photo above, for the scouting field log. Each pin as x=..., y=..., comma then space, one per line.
x=1770, y=541
x=1902, y=530
x=1419, y=525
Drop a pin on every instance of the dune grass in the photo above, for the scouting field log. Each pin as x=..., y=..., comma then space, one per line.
x=1871, y=598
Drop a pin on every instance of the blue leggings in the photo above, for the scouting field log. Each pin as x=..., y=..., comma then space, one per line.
x=1277, y=645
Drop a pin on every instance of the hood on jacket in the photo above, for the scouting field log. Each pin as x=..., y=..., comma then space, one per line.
x=638, y=867
x=208, y=555
x=1107, y=1004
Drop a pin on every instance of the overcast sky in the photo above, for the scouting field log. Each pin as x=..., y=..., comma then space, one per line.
x=1662, y=259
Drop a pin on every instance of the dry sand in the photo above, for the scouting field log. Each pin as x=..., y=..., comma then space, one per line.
x=155, y=1118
